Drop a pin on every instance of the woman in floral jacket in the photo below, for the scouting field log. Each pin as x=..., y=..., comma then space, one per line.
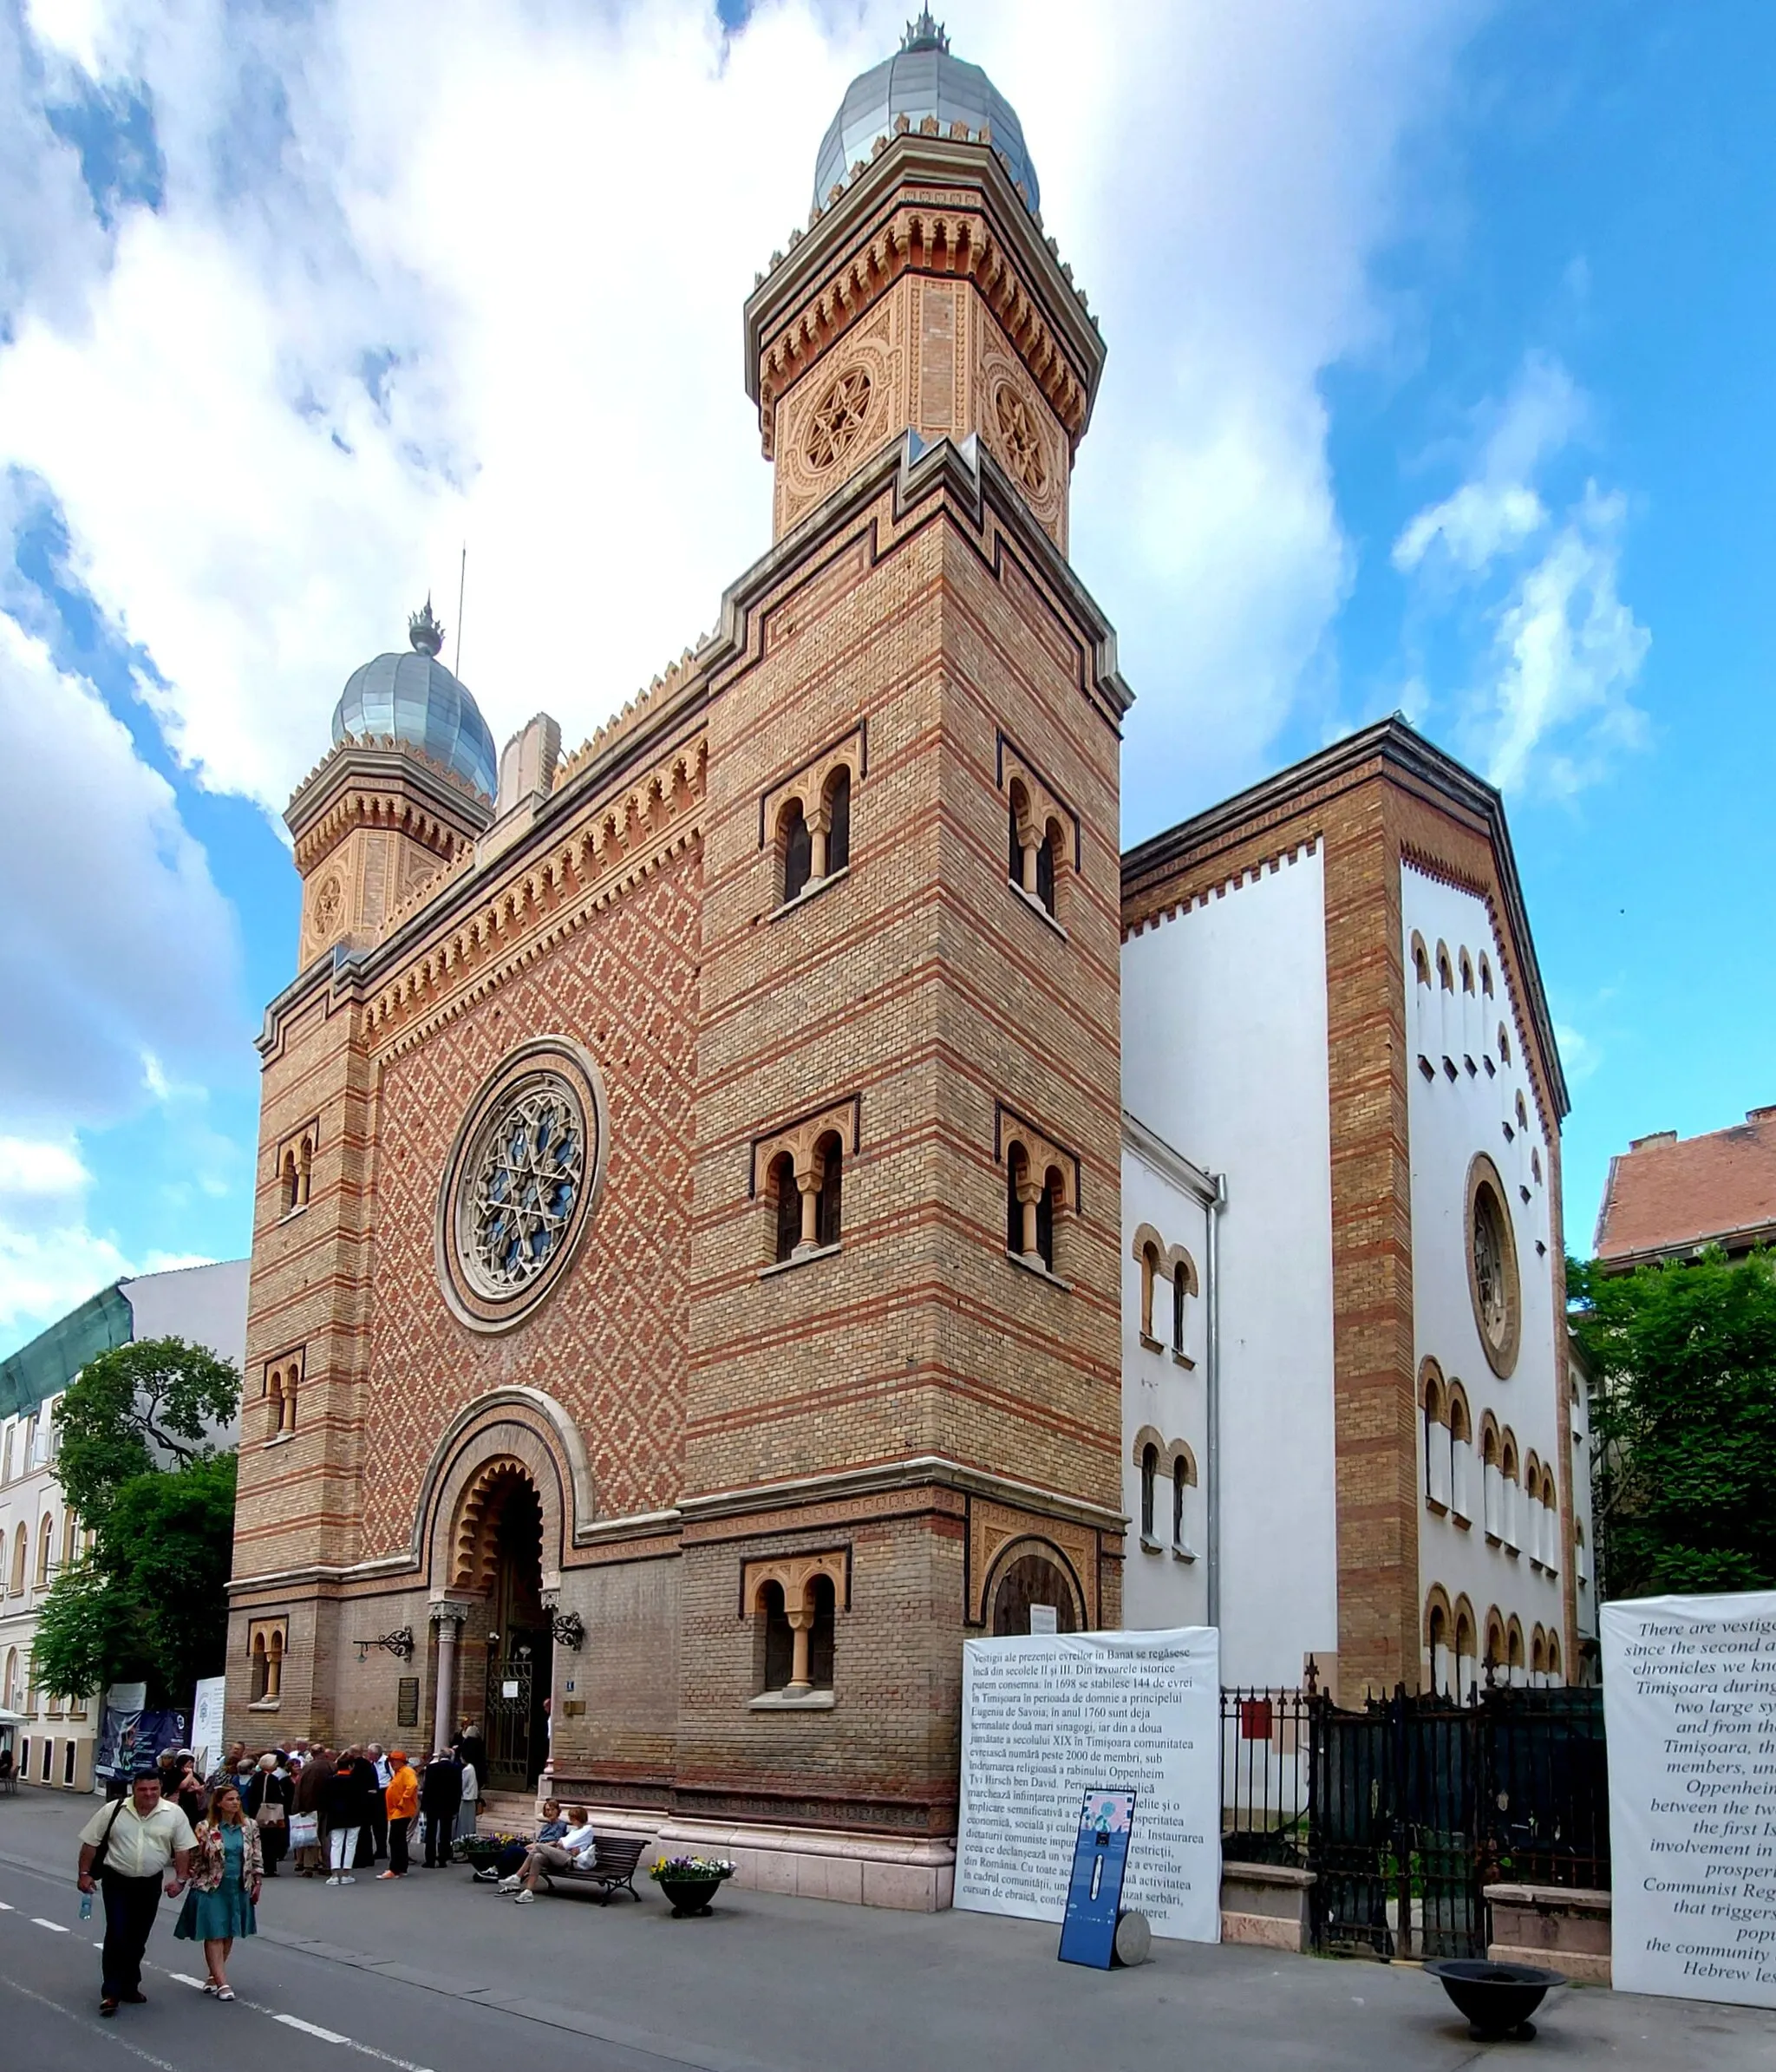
x=228, y=1867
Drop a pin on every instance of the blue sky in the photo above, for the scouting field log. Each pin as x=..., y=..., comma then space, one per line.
x=1439, y=380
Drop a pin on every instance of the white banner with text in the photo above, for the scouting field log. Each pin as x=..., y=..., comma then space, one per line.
x=1046, y=1718
x=1689, y=1704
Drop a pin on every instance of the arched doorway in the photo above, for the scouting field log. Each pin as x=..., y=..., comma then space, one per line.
x=1033, y=1579
x=500, y=1549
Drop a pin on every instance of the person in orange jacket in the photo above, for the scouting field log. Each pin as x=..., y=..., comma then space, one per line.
x=402, y=1799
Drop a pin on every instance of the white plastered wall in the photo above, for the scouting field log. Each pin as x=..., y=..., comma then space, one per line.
x=205, y=1304
x=1224, y=1056
x=1462, y=1097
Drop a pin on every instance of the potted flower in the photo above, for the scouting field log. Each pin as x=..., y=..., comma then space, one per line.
x=690, y=1883
x=482, y=1851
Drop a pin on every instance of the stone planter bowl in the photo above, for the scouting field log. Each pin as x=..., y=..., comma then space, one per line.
x=1498, y=1999
x=689, y=1896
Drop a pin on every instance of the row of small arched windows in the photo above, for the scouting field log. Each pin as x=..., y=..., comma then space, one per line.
x=21, y=1568
x=1507, y=1477
x=1457, y=1663
x=1175, y=1466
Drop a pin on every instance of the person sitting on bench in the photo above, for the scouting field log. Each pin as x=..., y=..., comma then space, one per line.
x=579, y=1840
x=510, y=1860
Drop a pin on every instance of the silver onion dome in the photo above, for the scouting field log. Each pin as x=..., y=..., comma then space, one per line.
x=921, y=79
x=414, y=698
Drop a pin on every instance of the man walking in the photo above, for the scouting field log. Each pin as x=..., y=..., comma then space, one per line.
x=126, y=1849
x=379, y=1812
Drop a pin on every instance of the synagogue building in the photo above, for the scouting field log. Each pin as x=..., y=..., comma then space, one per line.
x=753, y=1201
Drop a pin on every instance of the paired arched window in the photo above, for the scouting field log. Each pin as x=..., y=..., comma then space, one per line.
x=296, y=1162
x=795, y=1636
x=1168, y=1473
x=1032, y=847
x=806, y=1207
x=1029, y=1208
x=282, y=1379
x=1173, y=1268
x=1434, y=1401
x=814, y=843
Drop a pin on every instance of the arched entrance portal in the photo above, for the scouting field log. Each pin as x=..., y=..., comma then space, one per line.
x=1028, y=1581
x=500, y=1547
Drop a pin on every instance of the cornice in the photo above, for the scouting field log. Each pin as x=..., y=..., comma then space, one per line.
x=381, y=763
x=972, y=223
x=1390, y=749
x=923, y=1471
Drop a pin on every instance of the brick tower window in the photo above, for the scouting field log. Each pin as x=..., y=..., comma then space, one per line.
x=829, y=1155
x=838, y=821
x=795, y=843
x=776, y=1639
x=787, y=1198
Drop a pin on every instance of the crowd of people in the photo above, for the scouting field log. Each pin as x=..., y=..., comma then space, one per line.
x=217, y=1838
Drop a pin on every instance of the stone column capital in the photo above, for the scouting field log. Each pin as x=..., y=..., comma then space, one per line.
x=447, y=1611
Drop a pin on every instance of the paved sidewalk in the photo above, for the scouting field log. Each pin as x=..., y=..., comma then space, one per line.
x=773, y=1984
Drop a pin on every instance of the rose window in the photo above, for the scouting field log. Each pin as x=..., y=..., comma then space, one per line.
x=523, y=1194
x=1022, y=442
x=521, y=1183
x=837, y=419
x=1492, y=1269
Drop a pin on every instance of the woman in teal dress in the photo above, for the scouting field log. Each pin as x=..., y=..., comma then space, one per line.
x=228, y=1867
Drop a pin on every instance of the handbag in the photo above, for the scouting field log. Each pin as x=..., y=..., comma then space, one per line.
x=104, y=1847
x=304, y=1830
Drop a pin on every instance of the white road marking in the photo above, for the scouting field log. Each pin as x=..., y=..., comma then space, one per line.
x=55, y=1927
x=5, y=1909
x=186, y=1978
x=99, y=2035
x=310, y=2029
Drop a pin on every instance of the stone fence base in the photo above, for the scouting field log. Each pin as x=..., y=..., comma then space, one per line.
x=1265, y=1904
x=1564, y=1929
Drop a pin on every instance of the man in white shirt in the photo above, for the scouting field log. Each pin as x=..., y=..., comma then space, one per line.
x=138, y=1839
x=579, y=1840
x=379, y=1814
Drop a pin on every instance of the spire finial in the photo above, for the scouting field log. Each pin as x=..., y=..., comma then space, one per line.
x=425, y=631
x=925, y=34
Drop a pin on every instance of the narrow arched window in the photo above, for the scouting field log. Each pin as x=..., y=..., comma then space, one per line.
x=1150, y=1475
x=1554, y=1674
x=20, y=1556
x=1180, y=1482
x=831, y=1158
x=787, y=1199
x=1180, y=1288
x=1150, y=1269
x=796, y=845
x=259, y=1681
x=274, y=1663
x=1446, y=970
x=1045, y=865
x=286, y=1417
x=1420, y=961
x=837, y=821
x=290, y=1183
x=776, y=1639
x=1467, y=973
x=46, y=1537
x=1017, y=1166
x=1017, y=813
x=825, y=1599
x=1503, y=1045
x=1486, y=976
x=1045, y=1220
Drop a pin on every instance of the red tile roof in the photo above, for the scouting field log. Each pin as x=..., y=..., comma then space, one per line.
x=1668, y=1194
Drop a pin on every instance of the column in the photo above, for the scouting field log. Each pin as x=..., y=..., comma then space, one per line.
x=801, y=1624
x=809, y=1184
x=449, y=1618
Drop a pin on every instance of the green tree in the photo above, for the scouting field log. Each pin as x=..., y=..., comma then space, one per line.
x=149, y=1604
x=135, y=1409
x=1684, y=1354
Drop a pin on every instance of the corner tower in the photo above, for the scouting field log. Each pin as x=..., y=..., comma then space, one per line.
x=903, y=1420
x=922, y=296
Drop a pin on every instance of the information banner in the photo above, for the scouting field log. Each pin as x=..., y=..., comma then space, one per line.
x=207, y=1723
x=1094, y=1889
x=1690, y=1705
x=1045, y=1720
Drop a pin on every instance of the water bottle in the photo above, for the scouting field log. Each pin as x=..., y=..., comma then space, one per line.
x=86, y=1906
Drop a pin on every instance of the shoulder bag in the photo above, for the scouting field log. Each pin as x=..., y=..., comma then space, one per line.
x=98, y=1854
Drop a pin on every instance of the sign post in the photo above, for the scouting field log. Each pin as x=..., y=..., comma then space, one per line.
x=1094, y=1890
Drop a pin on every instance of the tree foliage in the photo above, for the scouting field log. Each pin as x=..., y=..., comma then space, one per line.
x=136, y=1408
x=1684, y=1357
x=150, y=1603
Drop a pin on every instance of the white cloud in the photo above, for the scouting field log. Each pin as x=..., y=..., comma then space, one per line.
x=550, y=217
x=1579, y=1056
x=109, y=909
x=37, y=1171
x=1551, y=709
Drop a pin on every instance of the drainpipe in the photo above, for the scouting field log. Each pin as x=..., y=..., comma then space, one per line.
x=1214, y=1395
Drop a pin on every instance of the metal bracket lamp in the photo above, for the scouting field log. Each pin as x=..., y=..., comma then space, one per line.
x=398, y=1643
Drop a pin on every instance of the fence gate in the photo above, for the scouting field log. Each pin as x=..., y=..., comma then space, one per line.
x=1415, y=1804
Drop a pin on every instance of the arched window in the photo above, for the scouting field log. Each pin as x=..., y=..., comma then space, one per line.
x=1532, y=1502
x=1493, y=1660
x=11, y=1692
x=1437, y=1636
x=20, y=1556
x=1029, y=1209
x=290, y=1183
x=1536, y=1166
x=1184, y=1476
x=1150, y=1475
x=1150, y=1268
x=1555, y=1678
x=1504, y=1046
x=1508, y=1493
x=259, y=1673
x=1461, y=1454
x=70, y=1537
x=1523, y=1113
x=1047, y=849
x=1582, y=1560
x=1467, y=973
x=777, y=1642
x=837, y=803
x=1513, y=1651
x=795, y=848
x=1436, y=1419
x=1466, y=1665
x=1421, y=960
x=1182, y=1284
x=1017, y=1173
x=788, y=1199
x=829, y=1157
x=1446, y=970
x=1550, y=1522
x=46, y=1541
x=1051, y=1184
x=1538, y=1658
x=1486, y=976
x=1491, y=1480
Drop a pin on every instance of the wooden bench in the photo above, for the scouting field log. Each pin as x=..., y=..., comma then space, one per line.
x=611, y=1869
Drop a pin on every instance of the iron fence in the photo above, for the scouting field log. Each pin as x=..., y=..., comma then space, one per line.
x=1408, y=1810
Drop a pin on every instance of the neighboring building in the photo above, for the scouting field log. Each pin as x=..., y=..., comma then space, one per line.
x=1330, y=1000
x=692, y=1274
x=38, y=1531
x=1667, y=1197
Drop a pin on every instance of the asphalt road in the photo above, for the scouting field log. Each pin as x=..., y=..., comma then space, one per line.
x=300, y=2012
x=437, y=1974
